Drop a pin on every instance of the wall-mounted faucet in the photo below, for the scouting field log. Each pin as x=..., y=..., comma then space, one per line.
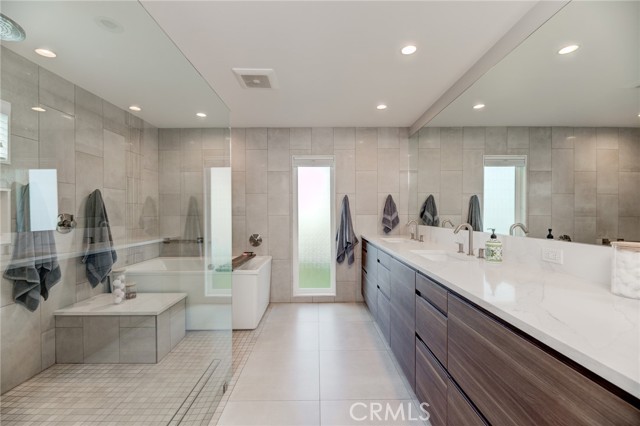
x=522, y=226
x=444, y=222
x=470, y=229
x=413, y=234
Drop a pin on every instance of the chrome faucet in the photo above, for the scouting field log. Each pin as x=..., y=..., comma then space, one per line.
x=444, y=222
x=413, y=235
x=518, y=225
x=470, y=229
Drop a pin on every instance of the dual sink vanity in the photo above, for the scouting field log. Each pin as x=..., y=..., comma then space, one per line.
x=503, y=344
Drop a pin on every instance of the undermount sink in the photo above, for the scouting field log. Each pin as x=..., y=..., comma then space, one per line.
x=442, y=255
x=395, y=240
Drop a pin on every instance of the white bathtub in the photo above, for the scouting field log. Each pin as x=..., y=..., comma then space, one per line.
x=209, y=292
x=251, y=292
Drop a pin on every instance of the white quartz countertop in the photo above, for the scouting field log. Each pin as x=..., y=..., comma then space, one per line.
x=143, y=304
x=581, y=320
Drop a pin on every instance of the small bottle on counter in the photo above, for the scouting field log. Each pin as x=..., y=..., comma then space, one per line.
x=493, y=248
x=550, y=235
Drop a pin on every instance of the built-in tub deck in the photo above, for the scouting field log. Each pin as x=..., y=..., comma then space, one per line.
x=141, y=330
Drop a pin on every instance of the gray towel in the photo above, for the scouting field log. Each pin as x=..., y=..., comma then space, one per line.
x=192, y=232
x=99, y=254
x=34, y=265
x=429, y=212
x=346, y=238
x=390, y=217
x=474, y=217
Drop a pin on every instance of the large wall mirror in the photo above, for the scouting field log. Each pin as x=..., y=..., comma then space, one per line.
x=550, y=136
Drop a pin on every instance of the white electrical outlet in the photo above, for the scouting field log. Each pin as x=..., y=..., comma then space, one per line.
x=552, y=255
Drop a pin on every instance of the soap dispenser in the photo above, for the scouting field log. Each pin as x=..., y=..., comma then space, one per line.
x=493, y=248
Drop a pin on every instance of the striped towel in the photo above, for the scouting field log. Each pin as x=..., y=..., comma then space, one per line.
x=390, y=217
x=429, y=212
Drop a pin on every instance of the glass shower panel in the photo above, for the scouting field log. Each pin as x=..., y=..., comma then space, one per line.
x=165, y=181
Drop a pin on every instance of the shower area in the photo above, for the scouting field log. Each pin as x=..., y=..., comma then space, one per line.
x=114, y=165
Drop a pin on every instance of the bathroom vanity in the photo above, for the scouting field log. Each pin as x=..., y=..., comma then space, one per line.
x=502, y=344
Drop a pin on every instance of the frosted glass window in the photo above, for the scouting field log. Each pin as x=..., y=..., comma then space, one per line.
x=499, y=198
x=505, y=200
x=314, y=234
x=5, y=131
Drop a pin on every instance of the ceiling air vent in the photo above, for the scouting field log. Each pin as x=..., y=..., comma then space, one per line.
x=256, y=78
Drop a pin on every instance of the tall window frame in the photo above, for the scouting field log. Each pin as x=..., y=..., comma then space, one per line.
x=304, y=161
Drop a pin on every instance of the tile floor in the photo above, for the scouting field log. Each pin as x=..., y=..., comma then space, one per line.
x=181, y=389
x=307, y=364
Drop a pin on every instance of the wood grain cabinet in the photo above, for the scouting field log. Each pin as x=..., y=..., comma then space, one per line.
x=431, y=327
x=403, y=317
x=460, y=412
x=515, y=382
x=431, y=384
x=383, y=317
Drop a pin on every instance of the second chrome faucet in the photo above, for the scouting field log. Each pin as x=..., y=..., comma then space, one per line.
x=469, y=228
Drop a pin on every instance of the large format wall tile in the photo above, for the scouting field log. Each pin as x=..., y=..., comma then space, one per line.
x=21, y=353
x=19, y=84
x=57, y=146
x=56, y=92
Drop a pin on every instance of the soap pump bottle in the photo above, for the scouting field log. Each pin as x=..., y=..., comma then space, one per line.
x=493, y=248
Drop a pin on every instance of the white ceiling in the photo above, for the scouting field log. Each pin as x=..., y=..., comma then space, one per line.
x=334, y=61
x=534, y=86
x=138, y=66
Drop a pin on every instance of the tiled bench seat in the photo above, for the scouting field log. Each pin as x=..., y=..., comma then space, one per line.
x=138, y=331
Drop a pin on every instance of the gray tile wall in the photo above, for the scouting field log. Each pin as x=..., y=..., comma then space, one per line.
x=93, y=145
x=582, y=182
x=184, y=155
x=370, y=164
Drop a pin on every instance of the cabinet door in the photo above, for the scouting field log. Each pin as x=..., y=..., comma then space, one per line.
x=512, y=381
x=370, y=293
x=384, y=315
x=431, y=385
x=459, y=410
x=403, y=324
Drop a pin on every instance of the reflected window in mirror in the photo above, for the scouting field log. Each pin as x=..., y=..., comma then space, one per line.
x=5, y=120
x=505, y=189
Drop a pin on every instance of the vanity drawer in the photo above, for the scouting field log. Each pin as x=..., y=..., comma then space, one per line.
x=512, y=380
x=384, y=315
x=369, y=293
x=384, y=280
x=403, y=318
x=384, y=259
x=431, y=385
x=433, y=292
x=370, y=262
x=459, y=410
x=431, y=326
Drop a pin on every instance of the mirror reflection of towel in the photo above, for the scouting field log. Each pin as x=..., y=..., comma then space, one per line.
x=429, y=212
x=474, y=216
x=346, y=238
x=99, y=255
x=34, y=267
x=390, y=217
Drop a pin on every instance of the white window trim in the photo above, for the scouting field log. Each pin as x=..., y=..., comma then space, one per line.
x=520, y=163
x=320, y=161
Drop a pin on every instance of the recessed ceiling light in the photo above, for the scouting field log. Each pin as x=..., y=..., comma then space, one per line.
x=38, y=109
x=46, y=53
x=568, y=49
x=135, y=108
x=409, y=50
x=478, y=106
x=382, y=106
x=201, y=114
